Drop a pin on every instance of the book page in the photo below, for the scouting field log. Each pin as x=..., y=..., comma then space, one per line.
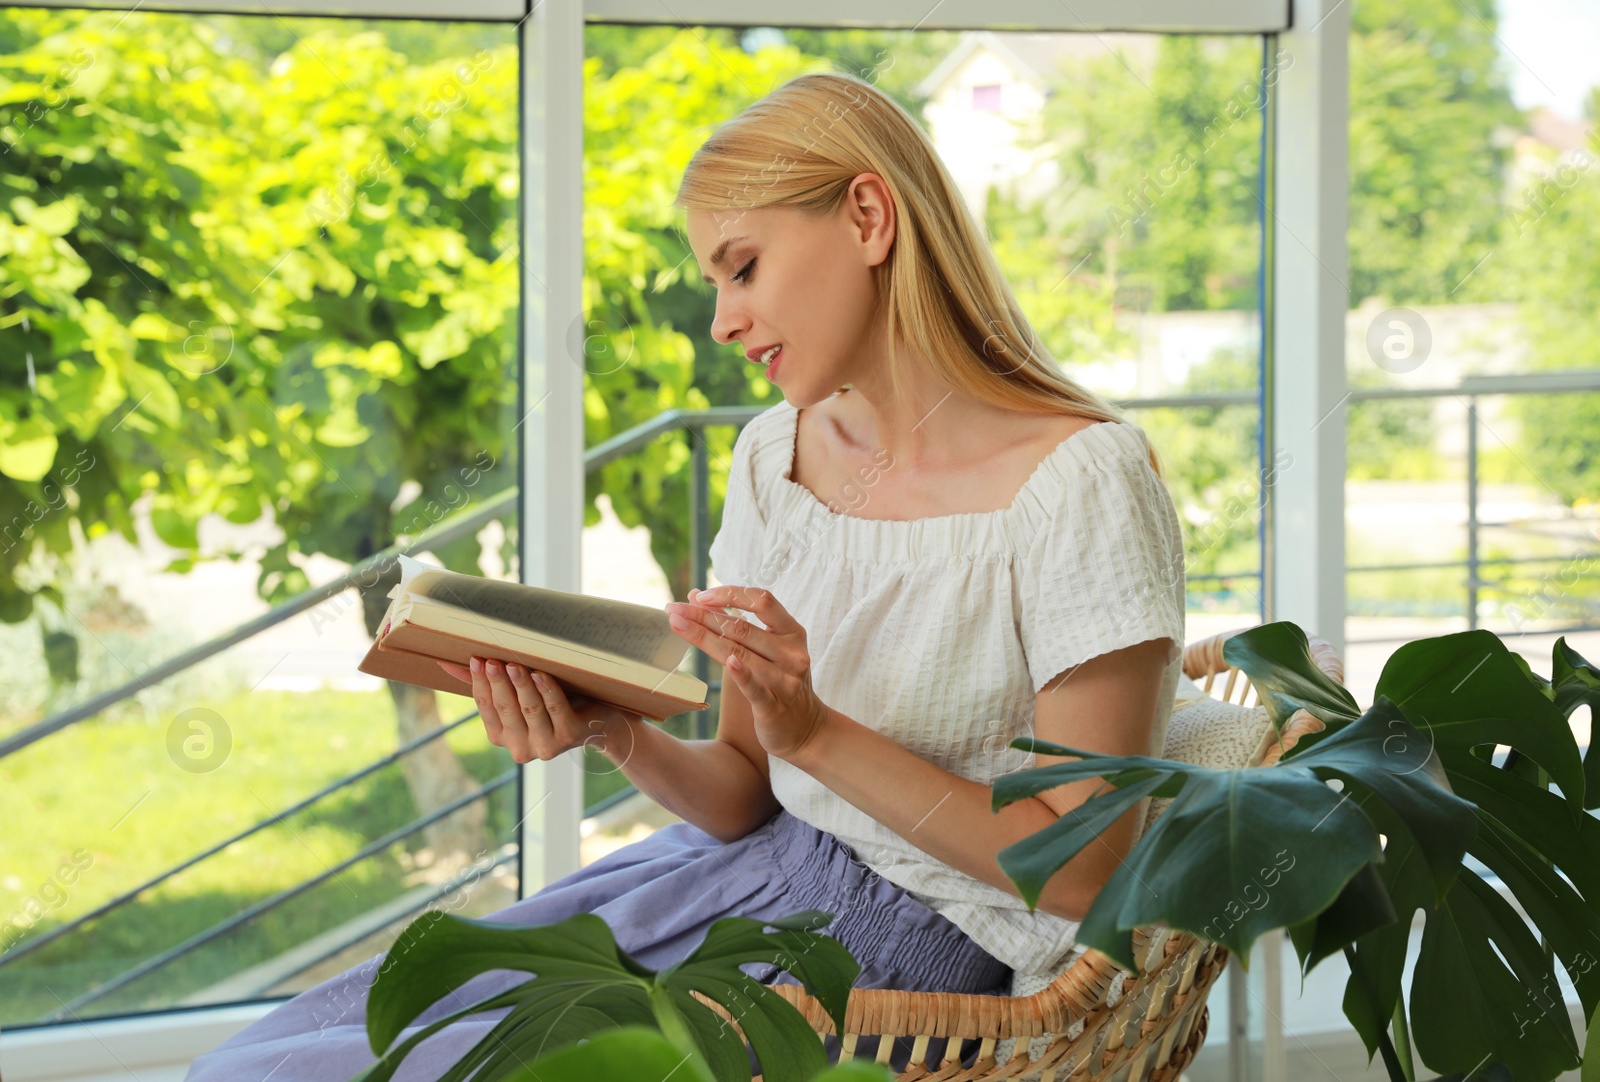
x=636, y=632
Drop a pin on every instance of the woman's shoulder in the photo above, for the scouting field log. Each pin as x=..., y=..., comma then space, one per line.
x=1091, y=459
x=765, y=439
x=1096, y=499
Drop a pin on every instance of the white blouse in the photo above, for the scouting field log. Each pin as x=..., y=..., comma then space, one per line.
x=939, y=632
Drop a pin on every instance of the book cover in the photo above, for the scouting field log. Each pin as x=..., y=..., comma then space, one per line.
x=616, y=652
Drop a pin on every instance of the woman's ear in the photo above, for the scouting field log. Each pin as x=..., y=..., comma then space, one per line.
x=872, y=214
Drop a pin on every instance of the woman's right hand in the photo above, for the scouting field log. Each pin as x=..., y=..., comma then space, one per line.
x=534, y=721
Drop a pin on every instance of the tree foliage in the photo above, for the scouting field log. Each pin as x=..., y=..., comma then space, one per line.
x=1550, y=262
x=237, y=290
x=1160, y=172
x=1430, y=124
x=291, y=286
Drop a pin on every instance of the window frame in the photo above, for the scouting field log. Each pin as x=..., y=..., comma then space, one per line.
x=1303, y=302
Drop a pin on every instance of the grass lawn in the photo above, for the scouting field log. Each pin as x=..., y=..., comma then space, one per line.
x=99, y=808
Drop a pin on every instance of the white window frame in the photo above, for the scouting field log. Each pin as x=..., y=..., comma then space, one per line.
x=1304, y=312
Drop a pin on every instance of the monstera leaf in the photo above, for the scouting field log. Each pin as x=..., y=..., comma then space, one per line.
x=1277, y=658
x=1575, y=682
x=1484, y=985
x=1484, y=988
x=1422, y=771
x=1240, y=852
x=585, y=984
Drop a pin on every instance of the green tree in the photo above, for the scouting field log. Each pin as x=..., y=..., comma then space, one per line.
x=1550, y=263
x=239, y=291
x=894, y=61
x=1156, y=211
x=645, y=338
x=1160, y=172
x=1390, y=439
x=1430, y=124
x=1212, y=468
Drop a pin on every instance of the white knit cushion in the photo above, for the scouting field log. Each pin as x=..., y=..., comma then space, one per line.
x=1211, y=733
x=1204, y=731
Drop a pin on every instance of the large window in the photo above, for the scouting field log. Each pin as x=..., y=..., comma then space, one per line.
x=259, y=301
x=1474, y=427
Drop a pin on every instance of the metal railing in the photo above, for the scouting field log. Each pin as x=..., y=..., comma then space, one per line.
x=30, y=945
x=249, y=913
x=466, y=524
x=1470, y=391
x=635, y=439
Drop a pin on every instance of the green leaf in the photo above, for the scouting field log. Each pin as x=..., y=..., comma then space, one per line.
x=1472, y=1002
x=1031, y=862
x=1522, y=830
x=1537, y=817
x=1377, y=957
x=1472, y=936
x=1574, y=682
x=452, y=950
x=1271, y=847
x=1377, y=962
x=174, y=527
x=575, y=960
x=628, y=1052
x=60, y=655
x=1363, y=906
x=1591, y=1051
x=26, y=449
x=154, y=393
x=55, y=219
x=539, y=1020
x=1546, y=688
x=1440, y=826
x=786, y=1046
x=856, y=1071
x=584, y=984
x=155, y=327
x=724, y=1050
x=1277, y=659
x=821, y=962
x=1566, y=921
x=1488, y=1072
x=1240, y=852
x=1464, y=690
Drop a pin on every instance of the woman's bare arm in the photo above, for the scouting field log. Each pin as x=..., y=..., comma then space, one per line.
x=719, y=785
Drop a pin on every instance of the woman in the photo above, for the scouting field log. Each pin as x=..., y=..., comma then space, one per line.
x=935, y=544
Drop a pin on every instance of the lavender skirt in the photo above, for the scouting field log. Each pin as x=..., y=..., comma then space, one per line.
x=659, y=896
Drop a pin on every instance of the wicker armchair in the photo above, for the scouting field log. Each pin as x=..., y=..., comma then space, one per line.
x=1132, y=1028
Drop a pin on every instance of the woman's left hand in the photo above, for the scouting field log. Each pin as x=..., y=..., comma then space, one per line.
x=772, y=666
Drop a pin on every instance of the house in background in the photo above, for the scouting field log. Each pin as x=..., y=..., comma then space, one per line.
x=984, y=100
x=983, y=110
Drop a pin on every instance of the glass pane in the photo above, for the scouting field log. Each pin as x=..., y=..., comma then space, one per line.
x=260, y=322
x=1473, y=260
x=1117, y=176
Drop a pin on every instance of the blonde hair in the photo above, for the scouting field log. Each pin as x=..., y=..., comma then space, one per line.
x=801, y=145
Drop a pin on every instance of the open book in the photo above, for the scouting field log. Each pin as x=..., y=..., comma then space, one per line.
x=620, y=653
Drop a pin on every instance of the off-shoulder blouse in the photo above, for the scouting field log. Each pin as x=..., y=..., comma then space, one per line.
x=939, y=632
